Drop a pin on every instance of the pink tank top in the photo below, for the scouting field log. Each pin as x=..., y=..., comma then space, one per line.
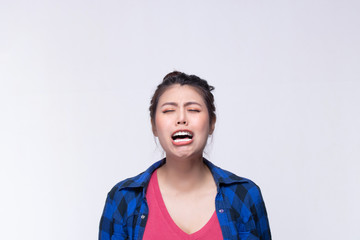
x=161, y=226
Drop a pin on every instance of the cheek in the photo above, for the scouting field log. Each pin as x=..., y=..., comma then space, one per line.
x=203, y=124
x=161, y=125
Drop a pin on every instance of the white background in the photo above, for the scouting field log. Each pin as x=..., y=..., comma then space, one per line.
x=76, y=78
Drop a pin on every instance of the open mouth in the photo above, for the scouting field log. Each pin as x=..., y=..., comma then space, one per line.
x=182, y=137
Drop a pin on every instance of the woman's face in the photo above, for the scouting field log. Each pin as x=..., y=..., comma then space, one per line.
x=182, y=122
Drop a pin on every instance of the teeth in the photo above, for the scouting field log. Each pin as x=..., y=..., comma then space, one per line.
x=182, y=140
x=182, y=133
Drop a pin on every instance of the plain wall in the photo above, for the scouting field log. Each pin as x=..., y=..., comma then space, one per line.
x=76, y=78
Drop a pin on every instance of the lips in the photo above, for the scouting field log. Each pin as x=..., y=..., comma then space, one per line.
x=182, y=137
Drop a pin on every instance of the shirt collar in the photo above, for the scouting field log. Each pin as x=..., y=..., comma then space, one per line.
x=220, y=176
x=141, y=180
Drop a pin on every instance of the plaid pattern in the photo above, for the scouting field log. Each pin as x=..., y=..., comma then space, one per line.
x=239, y=206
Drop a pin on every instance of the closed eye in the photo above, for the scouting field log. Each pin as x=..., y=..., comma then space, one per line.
x=194, y=110
x=166, y=111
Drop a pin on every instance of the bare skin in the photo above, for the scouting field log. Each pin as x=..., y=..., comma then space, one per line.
x=188, y=190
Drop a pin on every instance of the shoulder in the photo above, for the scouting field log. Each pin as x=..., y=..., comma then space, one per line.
x=231, y=184
x=126, y=186
x=122, y=204
x=133, y=185
x=125, y=198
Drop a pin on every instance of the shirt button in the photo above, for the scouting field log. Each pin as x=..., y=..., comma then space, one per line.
x=142, y=216
x=221, y=210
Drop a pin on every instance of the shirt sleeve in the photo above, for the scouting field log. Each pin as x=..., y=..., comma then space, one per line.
x=110, y=227
x=106, y=221
x=260, y=215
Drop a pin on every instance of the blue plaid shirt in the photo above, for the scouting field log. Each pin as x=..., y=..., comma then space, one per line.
x=239, y=207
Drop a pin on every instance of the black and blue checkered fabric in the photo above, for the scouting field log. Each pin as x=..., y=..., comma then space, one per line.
x=239, y=205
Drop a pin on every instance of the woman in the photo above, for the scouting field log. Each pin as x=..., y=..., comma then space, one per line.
x=184, y=196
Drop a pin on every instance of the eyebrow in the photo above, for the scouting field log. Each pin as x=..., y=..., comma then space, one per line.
x=175, y=104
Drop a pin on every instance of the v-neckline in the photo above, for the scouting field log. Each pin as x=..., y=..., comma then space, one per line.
x=171, y=222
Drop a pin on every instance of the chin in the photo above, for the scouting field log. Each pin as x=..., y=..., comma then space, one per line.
x=184, y=154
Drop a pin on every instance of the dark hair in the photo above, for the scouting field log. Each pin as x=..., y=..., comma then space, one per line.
x=183, y=79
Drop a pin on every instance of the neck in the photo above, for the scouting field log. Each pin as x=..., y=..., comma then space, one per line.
x=183, y=174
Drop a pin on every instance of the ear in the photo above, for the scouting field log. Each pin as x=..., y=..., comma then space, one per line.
x=153, y=128
x=212, y=126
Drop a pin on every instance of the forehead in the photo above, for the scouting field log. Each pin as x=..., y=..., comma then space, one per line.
x=181, y=93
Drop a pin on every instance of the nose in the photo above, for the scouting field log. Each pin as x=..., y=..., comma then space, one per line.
x=182, y=122
x=181, y=118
